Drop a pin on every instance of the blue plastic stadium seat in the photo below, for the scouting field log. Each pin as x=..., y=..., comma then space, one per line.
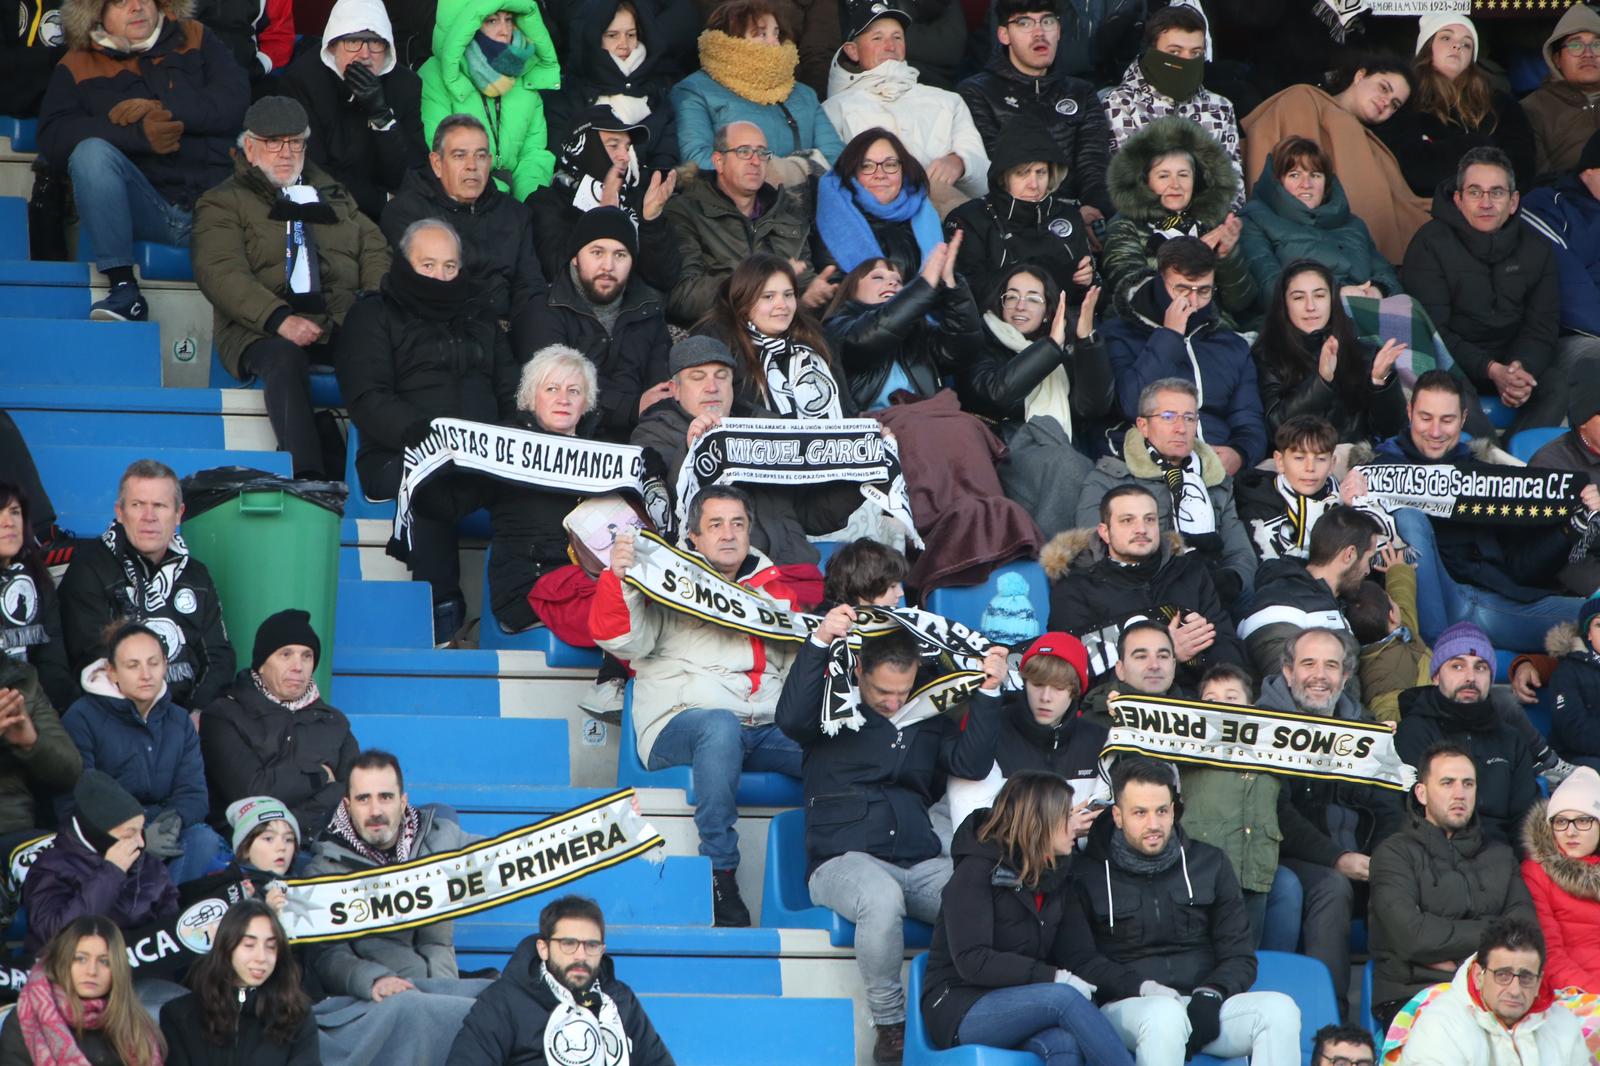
x=384, y=614
x=967, y=605
x=739, y=1030
x=1365, y=1018
x=488, y=753
x=1500, y=416
x=920, y=1050
x=13, y=227
x=758, y=789
x=1539, y=712
x=786, y=901
x=1524, y=444
x=324, y=384
x=557, y=653
x=23, y=133
x=156, y=262
x=94, y=354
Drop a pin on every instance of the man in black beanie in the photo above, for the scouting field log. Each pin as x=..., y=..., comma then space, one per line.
x=597, y=306
x=97, y=865
x=272, y=734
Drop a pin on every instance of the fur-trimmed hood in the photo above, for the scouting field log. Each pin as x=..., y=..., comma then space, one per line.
x=1082, y=548
x=80, y=17
x=1216, y=182
x=1136, y=460
x=1562, y=639
x=1576, y=877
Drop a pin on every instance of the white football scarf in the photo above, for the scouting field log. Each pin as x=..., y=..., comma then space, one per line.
x=1053, y=395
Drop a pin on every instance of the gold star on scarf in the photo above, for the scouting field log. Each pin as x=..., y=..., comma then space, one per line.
x=1520, y=510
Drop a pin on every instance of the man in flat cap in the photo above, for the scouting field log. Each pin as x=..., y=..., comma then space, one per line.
x=281, y=251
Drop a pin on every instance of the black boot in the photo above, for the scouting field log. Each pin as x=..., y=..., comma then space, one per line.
x=727, y=907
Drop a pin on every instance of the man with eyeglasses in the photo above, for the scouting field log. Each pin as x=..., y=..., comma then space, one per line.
x=1562, y=111
x=720, y=218
x=141, y=111
x=871, y=86
x=1438, y=883
x=365, y=107
x=280, y=251
x=1342, y=1045
x=550, y=1005
x=1491, y=287
x=1495, y=1013
x=1023, y=79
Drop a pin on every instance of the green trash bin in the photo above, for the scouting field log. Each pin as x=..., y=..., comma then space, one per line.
x=270, y=543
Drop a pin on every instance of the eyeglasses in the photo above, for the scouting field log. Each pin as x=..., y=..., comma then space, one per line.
x=1525, y=978
x=1583, y=823
x=1200, y=292
x=1011, y=298
x=353, y=45
x=1189, y=418
x=1027, y=23
x=1582, y=48
x=571, y=944
x=750, y=151
x=1498, y=194
x=873, y=166
x=1340, y=1060
x=277, y=145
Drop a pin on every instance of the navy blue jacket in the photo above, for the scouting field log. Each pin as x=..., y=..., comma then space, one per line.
x=157, y=759
x=1575, y=721
x=1569, y=217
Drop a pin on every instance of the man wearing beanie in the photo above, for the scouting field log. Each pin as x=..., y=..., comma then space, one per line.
x=97, y=865
x=1562, y=111
x=280, y=250
x=1456, y=707
x=599, y=307
x=272, y=734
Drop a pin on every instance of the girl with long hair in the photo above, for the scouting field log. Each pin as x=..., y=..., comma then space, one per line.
x=246, y=1005
x=79, y=1007
x=32, y=616
x=1009, y=930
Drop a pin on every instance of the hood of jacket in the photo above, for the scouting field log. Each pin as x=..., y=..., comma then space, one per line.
x=1026, y=141
x=1576, y=877
x=1216, y=184
x=96, y=681
x=357, y=16
x=588, y=62
x=1148, y=302
x=1081, y=549
x=1487, y=248
x=1332, y=213
x=80, y=17
x=888, y=81
x=1275, y=696
x=458, y=21
x=1578, y=17
x=1562, y=639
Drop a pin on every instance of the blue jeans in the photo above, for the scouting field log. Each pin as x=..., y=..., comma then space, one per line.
x=117, y=205
x=717, y=748
x=203, y=852
x=1442, y=601
x=1053, y=1021
x=1275, y=915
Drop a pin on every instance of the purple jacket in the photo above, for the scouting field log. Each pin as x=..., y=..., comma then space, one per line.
x=71, y=879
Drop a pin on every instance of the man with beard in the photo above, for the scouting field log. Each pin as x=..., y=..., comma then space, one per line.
x=551, y=998
x=1125, y=568
x=414, y=970
x=1292, y=595
x=1456, y=707
x=599, y=307
x=1330, y=828
x=1438, y=883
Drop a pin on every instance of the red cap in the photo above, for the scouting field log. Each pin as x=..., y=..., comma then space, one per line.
x=1062, y=646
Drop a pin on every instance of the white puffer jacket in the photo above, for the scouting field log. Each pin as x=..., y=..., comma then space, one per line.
x=1455, y=1031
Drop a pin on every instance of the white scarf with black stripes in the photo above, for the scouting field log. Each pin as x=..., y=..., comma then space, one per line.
x=799, y=382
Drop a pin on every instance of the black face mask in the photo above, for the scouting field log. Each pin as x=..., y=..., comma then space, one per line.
x=1171, y=76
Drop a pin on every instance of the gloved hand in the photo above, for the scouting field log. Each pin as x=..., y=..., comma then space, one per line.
x=417, y=431
x=1072, y=980
x=128, y=112
x=1156, y=988
x=1205, y=1019
x=161, y=835
x=367, y=89
x=162, y=131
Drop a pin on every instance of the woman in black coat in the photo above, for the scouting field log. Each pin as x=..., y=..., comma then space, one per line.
x=616, y=56
x=247, y=1007
x=893, y=337
x=1009, y=931
x=1310, y=362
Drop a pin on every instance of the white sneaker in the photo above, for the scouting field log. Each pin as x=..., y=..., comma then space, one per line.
x=604, y=700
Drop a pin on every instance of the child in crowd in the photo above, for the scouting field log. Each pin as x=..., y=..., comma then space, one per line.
x=1383, y=618
x=1280, y=509
x=1227, y=683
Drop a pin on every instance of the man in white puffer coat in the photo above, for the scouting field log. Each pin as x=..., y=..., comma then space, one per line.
x=1497, y=1012
x=870, y=84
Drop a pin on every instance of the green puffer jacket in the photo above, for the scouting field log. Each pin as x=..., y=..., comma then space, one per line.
x=1278, y=229
x=238, y=252
x=1129, y=255
x=52, y=765
x=515, y=121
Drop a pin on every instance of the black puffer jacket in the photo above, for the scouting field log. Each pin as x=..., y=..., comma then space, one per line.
x=1493, y=296
x=994, y=933
x=996, y=381
x=588, y=71
x=1381, y=414
x=496, y=236
x=368, y=163
x=183, y=1024
x=1184, y=926
x=928, y=332
x=1015, y=741
x=1287, y=598
x=1001, y=98
x=1000, y=231
x=400, y=362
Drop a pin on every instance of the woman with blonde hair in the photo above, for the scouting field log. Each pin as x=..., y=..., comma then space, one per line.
x=79, y=1007
x=1009, y=928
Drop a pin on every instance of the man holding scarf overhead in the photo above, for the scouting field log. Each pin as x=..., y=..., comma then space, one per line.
x=280, y=250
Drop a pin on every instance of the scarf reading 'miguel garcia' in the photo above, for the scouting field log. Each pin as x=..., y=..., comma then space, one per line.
x=785, y=452
x=1476, y=492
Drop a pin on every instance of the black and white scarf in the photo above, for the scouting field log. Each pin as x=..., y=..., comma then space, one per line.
x=343, y=829
x=1340, y=15
x=589, y=1033
x=1478, y=492
x=20, y=624
x=799, y=383
x=1288, y=535
x=1192, y=511
x=787, y=453
x=146, y=596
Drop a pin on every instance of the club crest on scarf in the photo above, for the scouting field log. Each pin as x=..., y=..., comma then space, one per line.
x=575, y=1036
x=19, y=597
